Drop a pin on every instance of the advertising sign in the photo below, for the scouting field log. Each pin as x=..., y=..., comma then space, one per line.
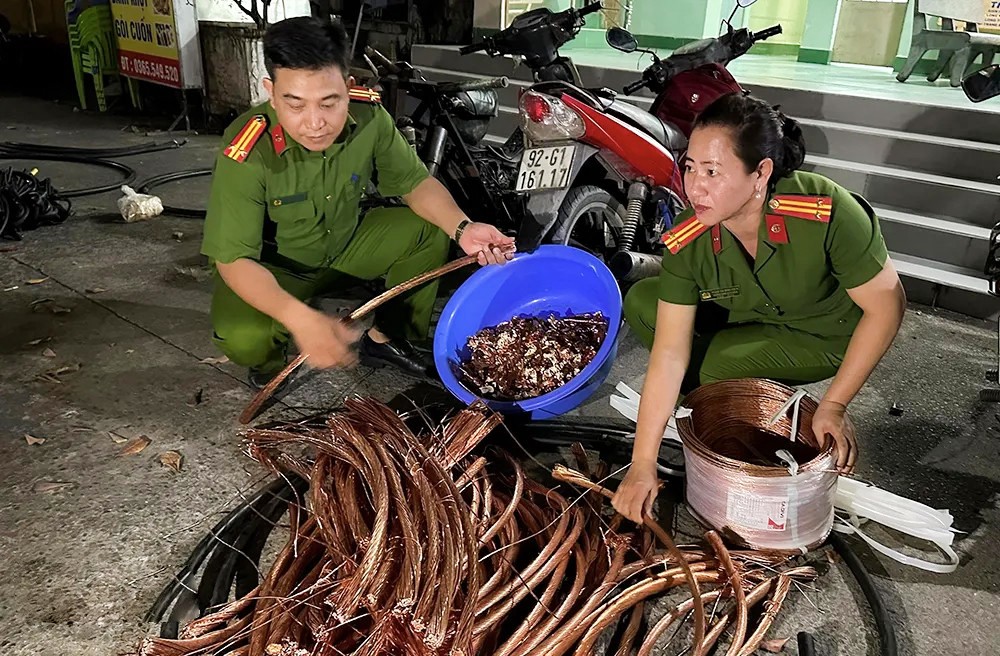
x=151, y=41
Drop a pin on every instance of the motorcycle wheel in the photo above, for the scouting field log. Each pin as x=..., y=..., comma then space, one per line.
x=590, y=219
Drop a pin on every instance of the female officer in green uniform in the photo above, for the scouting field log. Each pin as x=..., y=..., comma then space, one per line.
x=283, y=224
x=795, y=259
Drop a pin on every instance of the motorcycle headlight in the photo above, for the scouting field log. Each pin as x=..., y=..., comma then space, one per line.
x=547, y=118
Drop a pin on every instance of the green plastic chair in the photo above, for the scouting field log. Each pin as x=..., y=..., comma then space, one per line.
x=94, y=52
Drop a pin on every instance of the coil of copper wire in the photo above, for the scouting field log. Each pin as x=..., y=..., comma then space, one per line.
x=739, y=484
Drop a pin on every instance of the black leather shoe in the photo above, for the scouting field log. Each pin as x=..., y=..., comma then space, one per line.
x=399, y=353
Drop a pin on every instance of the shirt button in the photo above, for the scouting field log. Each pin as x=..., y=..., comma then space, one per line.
x=328, y=196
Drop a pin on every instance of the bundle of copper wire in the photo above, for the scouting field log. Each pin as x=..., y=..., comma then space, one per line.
x=410, y=545
x=737, y=482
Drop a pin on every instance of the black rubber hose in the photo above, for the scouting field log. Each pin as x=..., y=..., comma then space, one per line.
x=244, y=554
x=203, y=550
x=173, y=176
x=126, y=171
x=807, y=645
x=883, y=622
x=12, y=147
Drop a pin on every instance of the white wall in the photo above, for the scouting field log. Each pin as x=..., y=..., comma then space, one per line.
x=226, y=11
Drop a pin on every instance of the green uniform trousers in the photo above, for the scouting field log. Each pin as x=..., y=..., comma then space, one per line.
x=722, y=351
x=391, y=242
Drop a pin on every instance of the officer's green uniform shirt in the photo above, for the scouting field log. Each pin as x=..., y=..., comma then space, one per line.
x=311, y=197
x=801, y=283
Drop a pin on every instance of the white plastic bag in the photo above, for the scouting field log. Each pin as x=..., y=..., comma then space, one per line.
x=138, y=207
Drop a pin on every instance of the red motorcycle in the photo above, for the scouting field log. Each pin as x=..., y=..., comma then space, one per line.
x=602, y=174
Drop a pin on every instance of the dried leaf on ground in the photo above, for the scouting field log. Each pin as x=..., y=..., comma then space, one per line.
x=49, y=353
x=95, y=290
x=178, y=236
x=196, y=272
x=36, y=281
x=832, y=557
x=220, y=360
x=11, y=289
x=32, y=440
x=117, y=438
x=172, y=460
x=52, y=487
x=58, y=309
x=39, y=301
x=82, y=429
x=68, y=369
x=49, y=378
x=135, y=446
x=40, y=340
x=774, y=646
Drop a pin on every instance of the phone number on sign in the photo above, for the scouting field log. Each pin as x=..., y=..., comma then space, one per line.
x=154, y=71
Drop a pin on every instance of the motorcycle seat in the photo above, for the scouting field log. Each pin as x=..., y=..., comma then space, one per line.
x=478, y=103
x=663, y=132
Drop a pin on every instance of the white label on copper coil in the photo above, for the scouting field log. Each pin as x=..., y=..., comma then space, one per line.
x=757, y=512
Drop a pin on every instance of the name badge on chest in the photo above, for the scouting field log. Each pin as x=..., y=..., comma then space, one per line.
x=719, y=293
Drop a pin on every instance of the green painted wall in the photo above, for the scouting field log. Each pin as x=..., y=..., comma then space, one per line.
x=817, y=34
x=685, y=20
x=791, y=14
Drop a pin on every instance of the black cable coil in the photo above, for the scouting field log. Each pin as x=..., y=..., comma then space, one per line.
x=27, y=202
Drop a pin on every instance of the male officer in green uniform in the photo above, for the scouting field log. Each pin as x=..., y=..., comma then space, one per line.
x=792, y=266
x=283, y=222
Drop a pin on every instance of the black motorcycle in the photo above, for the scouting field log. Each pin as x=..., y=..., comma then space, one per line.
x=450, y=120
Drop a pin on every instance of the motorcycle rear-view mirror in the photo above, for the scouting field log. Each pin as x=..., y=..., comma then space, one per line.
x=983, y=84
x=622, y=40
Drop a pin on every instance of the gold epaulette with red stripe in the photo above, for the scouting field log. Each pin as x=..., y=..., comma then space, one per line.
x=364, y=94
x=683, y=234
x=243, y=143
x=813, y=208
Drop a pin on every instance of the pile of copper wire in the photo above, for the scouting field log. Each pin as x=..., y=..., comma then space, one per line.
x=410, y=545
x=527, y=357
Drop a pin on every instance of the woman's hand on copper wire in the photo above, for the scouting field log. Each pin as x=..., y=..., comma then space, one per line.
x=831, y=422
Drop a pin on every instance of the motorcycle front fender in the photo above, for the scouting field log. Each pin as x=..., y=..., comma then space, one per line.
x=542, y=207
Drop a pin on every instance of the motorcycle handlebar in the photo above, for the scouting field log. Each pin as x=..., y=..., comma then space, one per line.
x=474, y=85
x=472, y=47
x=589, y=9
x=634, y=86
x=774, y=30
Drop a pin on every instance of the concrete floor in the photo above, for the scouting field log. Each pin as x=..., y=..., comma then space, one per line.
x=81, y=565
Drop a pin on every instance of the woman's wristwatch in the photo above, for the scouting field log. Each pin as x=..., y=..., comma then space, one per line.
x=460, y=229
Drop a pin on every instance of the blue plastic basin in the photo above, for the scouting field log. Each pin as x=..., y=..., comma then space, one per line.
x=553, y=279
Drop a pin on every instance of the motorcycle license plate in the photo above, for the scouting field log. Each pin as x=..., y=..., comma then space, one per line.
x=545, y=168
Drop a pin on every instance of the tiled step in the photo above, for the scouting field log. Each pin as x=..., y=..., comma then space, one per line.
x=975, y=203
x=955, y=158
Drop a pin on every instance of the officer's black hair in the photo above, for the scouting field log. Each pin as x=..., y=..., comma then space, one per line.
x=306, y=43
x=761, y=132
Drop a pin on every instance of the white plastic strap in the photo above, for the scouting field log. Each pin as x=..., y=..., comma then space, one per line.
x=842, y=526
x=793, y=402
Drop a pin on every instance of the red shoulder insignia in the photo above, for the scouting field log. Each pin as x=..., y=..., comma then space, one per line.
x=364, y=94
x=813, y=208
x=683, y=234
x=278, y=139
x=243, y=143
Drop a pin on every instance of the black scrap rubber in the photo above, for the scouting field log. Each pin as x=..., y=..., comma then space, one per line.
x=158, y=180
x=217, y=556
x=126, y=171
x=13, y=147
x=883, y=622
